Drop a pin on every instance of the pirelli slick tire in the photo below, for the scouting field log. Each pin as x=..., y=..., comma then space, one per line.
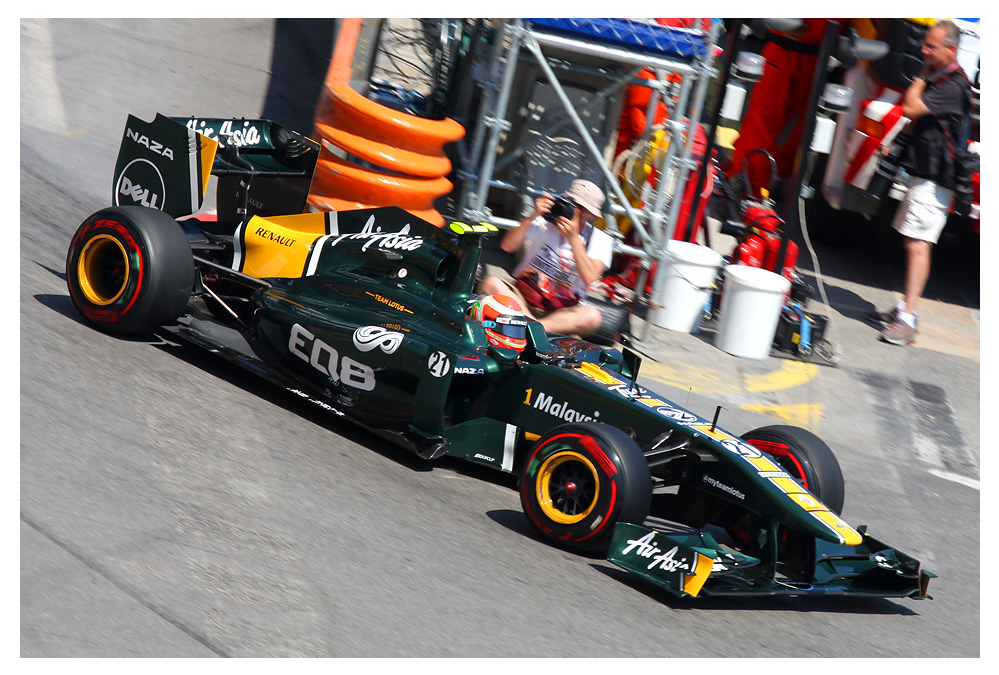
x=579, y=480
x=129, y=270
x=807, y=458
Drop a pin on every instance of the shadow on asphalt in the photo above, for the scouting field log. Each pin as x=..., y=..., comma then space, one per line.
x=875, y=257
x=756, y=603
x=63, y=305
x=516, y=522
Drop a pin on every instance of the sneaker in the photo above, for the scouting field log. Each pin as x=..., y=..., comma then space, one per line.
x=883, y=319
x=887, y=318
x=899, y=333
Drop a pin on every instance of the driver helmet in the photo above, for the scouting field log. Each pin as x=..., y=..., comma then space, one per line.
x=503, y=319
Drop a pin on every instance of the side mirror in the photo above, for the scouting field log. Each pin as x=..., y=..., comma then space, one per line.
x=539, y=348
x=632, y=364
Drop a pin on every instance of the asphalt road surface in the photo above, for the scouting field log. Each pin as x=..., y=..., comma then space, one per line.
x=171, y=505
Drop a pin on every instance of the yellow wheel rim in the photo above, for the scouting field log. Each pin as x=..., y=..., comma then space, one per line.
x=103, y=269
x=568, y=487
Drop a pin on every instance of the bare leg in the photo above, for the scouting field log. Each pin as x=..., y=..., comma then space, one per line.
x=917, y=271
x=579, y=320
x=493, y=285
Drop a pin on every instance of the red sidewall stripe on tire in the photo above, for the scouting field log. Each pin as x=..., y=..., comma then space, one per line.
x=537, y=521
x=602, y=459
x=600, y=455
x=586, y=441
x=133, y=245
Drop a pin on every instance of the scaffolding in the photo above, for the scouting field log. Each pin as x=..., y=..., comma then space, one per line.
x=540, y=101
x=606, y=55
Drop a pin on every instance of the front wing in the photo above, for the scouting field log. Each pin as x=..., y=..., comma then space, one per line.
x=694, y=565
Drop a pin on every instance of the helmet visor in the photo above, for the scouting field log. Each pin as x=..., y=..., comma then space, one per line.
x=508, y=326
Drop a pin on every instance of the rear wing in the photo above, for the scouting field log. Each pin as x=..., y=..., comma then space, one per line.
x=261, y=167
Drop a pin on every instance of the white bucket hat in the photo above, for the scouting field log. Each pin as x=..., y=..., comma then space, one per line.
x=586, y=194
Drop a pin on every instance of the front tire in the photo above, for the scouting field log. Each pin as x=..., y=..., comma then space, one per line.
x=810, y=461
x=580, y=480
x=129, y=270
x=807, y=458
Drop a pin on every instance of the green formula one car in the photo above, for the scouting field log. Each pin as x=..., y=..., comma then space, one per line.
x=364, y=313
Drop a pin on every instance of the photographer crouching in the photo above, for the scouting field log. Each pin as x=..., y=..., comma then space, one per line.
x=564, y=254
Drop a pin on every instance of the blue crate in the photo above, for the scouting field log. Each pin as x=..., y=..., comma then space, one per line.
x=630, y=34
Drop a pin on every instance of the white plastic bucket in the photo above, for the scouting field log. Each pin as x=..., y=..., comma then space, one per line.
x=750, y=309
x=686, y=286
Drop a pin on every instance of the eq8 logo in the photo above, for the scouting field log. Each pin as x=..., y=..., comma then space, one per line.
x=367, y=338
x=142, y=183
x=327, y=361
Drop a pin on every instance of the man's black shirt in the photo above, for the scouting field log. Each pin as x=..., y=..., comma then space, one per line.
x=930, y=153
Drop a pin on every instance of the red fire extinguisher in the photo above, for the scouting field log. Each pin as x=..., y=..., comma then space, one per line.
x=759, y=231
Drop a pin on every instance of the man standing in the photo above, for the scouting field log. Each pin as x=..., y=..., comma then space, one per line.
x=566, y=254
x=937, y=104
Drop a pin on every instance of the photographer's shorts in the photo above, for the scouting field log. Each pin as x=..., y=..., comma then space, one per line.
x=535, y=313
x=924, y=210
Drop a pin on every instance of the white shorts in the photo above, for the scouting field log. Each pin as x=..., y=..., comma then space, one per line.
x=924, y=210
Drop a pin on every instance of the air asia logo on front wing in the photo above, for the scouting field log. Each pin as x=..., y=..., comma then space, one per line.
x=140, y=183
x=669, y=561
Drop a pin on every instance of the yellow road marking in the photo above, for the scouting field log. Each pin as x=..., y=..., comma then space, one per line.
x=697, y=379
x=805, y=415
x=710, y=381
x=791, y=374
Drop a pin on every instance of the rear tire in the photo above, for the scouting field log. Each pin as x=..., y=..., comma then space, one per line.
x=129, y=269
x=580, y=480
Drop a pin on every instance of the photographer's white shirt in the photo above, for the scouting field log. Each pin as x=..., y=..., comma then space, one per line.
x=549, y=252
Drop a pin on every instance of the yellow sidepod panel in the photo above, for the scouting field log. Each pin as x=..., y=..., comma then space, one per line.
x=279, y=246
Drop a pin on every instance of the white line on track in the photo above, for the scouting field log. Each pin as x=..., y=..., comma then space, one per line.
x=41, y=100
x=957, y=478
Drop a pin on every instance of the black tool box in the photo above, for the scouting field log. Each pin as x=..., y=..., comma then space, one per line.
x=788, y=335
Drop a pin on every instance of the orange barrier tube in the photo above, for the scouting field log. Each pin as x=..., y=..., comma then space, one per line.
x=409, y=149
x=367, y=185
x=383, y=154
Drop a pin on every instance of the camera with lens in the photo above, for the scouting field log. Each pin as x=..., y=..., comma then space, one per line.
x=561, y=207
x=887, y=169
